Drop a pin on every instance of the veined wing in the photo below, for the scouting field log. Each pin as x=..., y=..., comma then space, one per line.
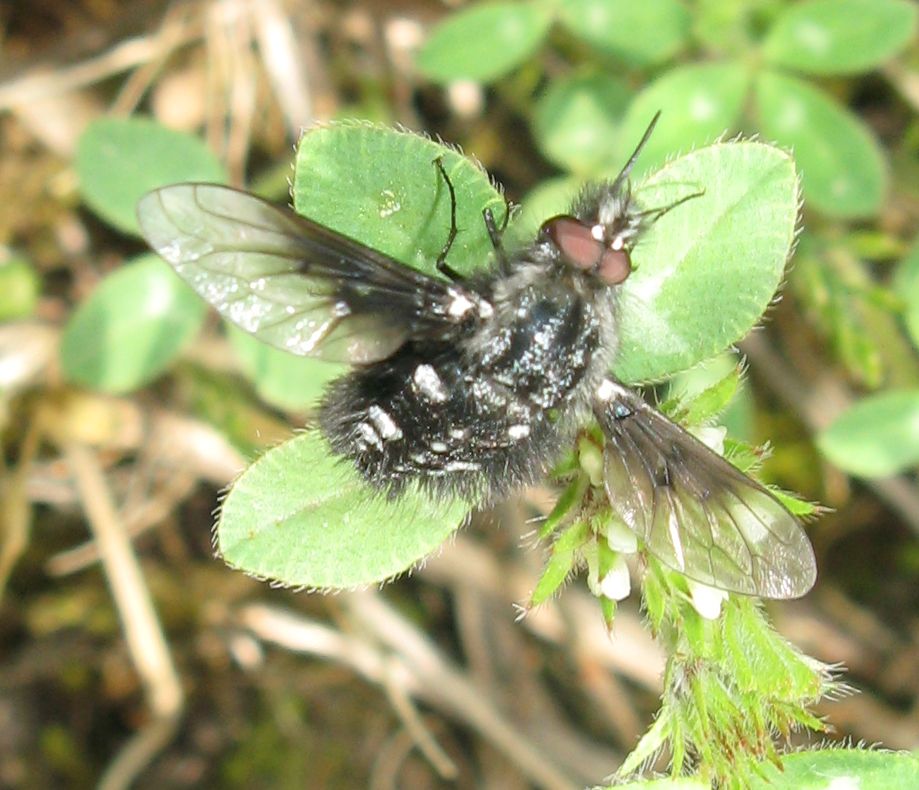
x=696, y=512
x=291, y=282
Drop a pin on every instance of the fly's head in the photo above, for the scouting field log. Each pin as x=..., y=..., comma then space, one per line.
x=599, y=234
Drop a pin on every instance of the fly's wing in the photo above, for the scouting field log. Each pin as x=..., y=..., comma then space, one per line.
x=696, y=512
x=291, y=282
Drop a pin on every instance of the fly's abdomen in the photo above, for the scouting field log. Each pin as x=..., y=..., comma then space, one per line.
x=476, y=418
x=432, y=419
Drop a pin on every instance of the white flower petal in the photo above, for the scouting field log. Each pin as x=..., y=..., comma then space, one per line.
x=620, y=537
x=707, y=600
x=591, y=459
x=712, y=437
x=616, y=585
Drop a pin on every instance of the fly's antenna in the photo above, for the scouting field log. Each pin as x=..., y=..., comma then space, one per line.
x=624, y=173
x=654, y=214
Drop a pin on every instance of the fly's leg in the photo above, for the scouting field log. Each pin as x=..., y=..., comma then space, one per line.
x=442, y=266
x=495, y=234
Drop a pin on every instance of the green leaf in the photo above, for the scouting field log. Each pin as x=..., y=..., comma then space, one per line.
x=303, y=517
x=699, y=104
x=906, y=285
x=873, y=244
x=577, y=118
x=380, y=185
x=725, y=28
x=706, y=405
x=840, y=36
x=19, y=289
x=280, y=378
x=562, y=561
x=640, y=33
x=564, y=505
x=844, y=168
x=834, y=299
x=131, y=327
x=829, y=768
x=736, y=415
x=121, y=159
x=876, y=437
x=747, y=458
x=707, y=270
x=761, y=662
x=483, y=42
x=796, y=505
x=648, y=750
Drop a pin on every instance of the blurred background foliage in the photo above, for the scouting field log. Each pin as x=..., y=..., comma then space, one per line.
x=125, y=408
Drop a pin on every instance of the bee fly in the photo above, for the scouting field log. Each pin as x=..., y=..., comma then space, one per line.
x=474, y=386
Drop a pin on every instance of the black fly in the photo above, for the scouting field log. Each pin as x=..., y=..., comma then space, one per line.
x=475, y=386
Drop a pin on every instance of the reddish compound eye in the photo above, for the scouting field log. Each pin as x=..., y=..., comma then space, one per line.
x=574, y=241
x=615, y=266
x=581, y=249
